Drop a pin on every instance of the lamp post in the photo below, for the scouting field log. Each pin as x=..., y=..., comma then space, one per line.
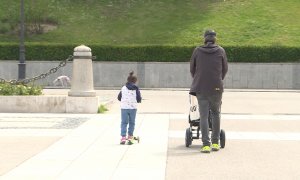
x=22, y=65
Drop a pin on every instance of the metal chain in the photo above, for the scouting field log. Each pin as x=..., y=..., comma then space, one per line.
x=28, y=80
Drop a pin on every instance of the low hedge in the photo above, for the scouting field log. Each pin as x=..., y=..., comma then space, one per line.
x=7, y=89
x=36, y=51
x=150, y=53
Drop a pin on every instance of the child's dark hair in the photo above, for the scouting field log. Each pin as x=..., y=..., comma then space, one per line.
x=131, y=78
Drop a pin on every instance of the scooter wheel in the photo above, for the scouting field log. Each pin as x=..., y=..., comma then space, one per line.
x=137, y=138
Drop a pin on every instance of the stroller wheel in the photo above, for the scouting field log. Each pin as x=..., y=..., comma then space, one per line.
x=222, y=138
x=188, y=137
x=137, y=138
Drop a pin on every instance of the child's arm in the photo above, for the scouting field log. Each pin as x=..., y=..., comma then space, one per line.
x=120, y=96
x=138, y=96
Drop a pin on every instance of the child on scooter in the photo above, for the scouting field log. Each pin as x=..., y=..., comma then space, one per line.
x=129, y=96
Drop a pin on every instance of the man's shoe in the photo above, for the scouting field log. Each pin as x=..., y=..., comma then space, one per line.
x=205, y=149
x=215, y=147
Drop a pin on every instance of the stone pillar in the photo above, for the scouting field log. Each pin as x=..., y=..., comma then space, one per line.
x=82, y=96
x=82, y=78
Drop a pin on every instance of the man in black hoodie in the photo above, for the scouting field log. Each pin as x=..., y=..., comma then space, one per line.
x=208, y=67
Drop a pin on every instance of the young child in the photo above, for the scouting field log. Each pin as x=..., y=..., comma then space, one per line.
x=129, y=96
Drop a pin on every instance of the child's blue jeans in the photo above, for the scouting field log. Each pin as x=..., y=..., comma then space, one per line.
x=127, y=116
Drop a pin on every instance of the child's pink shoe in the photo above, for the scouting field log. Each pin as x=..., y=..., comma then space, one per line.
x=123, y=140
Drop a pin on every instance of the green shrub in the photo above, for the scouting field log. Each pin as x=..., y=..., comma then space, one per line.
x=34, y=51
x=7, y=89
x=150, y=53
x=263, y=54
x=9, y=51
x=102, y=109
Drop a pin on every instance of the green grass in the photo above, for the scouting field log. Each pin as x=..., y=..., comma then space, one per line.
x=164, y=22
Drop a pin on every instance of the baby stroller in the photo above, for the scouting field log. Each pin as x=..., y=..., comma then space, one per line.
x=193, y=132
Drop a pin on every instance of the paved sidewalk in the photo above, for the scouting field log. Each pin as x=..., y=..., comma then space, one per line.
x=92, y=151
x=262, y=129
x=257, y=147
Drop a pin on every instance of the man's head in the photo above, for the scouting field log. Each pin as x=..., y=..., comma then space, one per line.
x=210, y=36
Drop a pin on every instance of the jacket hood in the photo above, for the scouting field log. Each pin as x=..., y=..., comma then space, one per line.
x=131, y=86
x=209, y=48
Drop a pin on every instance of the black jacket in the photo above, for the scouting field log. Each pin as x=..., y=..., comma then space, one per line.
x=208, y=67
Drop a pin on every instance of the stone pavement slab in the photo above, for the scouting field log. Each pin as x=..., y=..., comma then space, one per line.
x=262, y=129
x=25, y=135
x=92, y=151
x=257, y=147
x=17, y=149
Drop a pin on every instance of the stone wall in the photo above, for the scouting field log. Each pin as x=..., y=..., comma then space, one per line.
x=166, y=75
x=49, y=104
